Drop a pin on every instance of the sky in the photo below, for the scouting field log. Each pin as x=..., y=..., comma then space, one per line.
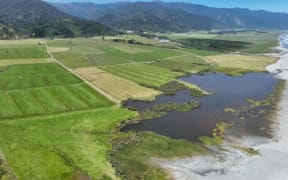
x=270, y=5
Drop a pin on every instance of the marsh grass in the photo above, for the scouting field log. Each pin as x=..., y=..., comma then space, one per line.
x=249, y=151
x=217, y=135
x=133, y=154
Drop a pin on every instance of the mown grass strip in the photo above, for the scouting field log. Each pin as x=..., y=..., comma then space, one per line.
x=55, y=99
x=69, y=99
x=144, y=74
x=18, y=77
x=89, y=96
x=48, y=100
x=8, y=107
x=27, y=103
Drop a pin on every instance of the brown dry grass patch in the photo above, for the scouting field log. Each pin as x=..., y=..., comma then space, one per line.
x=119, y=88
x=255, y=63
x=58, y=49
x=4, y=62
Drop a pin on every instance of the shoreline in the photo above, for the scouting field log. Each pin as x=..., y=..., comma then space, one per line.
x=271, y=164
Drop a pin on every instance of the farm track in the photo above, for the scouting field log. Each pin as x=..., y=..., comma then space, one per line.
x=82, y=78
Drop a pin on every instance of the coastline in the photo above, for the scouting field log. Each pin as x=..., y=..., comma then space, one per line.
x=230, y=164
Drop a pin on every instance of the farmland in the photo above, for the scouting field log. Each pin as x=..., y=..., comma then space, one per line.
x=16, y=51
x=95, y=52
x=5, y=62
x=188, y=64
x=144, y=74
x=246, y=62
x=22, y=52
x=31, y=88
x=122, y=89
x=46, y=91
x=44, y=88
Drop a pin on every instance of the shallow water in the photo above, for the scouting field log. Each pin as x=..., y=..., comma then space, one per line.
x=228, y=92
x=272, y=164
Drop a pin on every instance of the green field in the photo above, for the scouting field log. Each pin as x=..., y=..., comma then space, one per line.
x=144, y=74
x=36, y=75
x=67, y=146
x=188, y=64
x=95, y=52
x=44, y=88
x=17, y=51
x=201, y=53
x=23, y=52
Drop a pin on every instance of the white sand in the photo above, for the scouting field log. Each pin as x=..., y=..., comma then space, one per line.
x=272, y=164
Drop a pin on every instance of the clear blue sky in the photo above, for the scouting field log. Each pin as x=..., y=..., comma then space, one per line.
x=271, y=5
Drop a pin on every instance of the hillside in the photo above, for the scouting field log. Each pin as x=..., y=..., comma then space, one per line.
x=176, y=17
x=36, y=18
x=236, y=17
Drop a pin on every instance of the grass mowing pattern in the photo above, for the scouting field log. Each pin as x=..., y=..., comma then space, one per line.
x=54, y=147
x=144, y=74
x=32, y=76
x=52, y=99
x=44, y=88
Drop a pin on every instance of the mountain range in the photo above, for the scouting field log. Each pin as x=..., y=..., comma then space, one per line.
x=173, y=17
x=35, y=18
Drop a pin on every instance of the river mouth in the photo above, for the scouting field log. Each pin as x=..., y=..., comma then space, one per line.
x=228, y=93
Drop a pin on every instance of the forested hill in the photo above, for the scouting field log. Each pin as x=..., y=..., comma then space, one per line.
x=35, y=18
x=176, y=17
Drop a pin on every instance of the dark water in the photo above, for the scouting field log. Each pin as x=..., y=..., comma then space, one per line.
x=228, y=92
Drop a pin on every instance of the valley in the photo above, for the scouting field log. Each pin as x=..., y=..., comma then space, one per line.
x=88, y=108
x=143, y=90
